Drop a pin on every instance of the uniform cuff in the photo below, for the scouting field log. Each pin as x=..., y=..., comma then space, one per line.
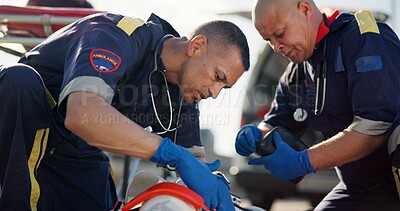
x=265, y=126
x=197, y=151
x=90, y=84
x=369, y=127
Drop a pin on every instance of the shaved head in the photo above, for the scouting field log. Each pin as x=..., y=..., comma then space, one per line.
x=289, y=26
x=271, y=9
x=225, y=34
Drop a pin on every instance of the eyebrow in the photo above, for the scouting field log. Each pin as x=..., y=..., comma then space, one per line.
x=274, y=33
x=268, y=39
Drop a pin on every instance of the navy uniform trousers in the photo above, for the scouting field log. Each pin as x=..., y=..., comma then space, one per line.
x=32, y=175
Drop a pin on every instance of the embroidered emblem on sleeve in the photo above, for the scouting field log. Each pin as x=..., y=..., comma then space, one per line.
x=104, y=60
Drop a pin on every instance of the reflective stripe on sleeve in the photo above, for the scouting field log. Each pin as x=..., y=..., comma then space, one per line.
x=90, y=84
x=197, y=151
x=369, y=127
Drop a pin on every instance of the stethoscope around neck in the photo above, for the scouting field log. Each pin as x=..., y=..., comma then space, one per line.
x=155, y=69
x=300, y=114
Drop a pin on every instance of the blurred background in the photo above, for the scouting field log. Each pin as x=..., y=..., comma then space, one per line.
x=245, y=103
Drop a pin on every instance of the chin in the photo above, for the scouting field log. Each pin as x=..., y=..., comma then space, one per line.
x=189, y=99
x=297, y=60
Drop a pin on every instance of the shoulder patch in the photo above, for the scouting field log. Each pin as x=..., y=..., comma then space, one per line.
x=366, y=22
x=129, y=24
x=104, y=61
x=369, y=63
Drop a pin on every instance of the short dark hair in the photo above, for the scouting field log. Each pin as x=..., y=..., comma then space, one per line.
x=225, y=33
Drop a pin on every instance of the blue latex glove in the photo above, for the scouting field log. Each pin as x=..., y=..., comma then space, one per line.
x=285, y=162
x=246, y=140
x=197, y=175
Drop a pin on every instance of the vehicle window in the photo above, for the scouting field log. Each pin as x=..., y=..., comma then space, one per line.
x=261, y=89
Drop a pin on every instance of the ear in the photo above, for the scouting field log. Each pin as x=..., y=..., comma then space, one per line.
x=305, y=8
x=197, y=44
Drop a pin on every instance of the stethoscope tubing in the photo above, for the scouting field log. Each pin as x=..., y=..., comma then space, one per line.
x=300, y=114
x=155, y=57
x=322, y=64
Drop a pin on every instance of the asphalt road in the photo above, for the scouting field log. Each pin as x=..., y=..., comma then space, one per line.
x=291, y=205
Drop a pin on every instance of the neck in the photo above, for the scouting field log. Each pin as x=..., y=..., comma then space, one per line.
x=173, y=56
x=317, y=20
x=323, y=29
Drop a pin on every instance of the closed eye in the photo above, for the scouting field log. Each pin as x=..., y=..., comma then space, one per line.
x=280, y=36
x=221, y=77
x=217, y=77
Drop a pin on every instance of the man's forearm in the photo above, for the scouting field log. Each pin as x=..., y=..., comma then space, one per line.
x=344, y=147
x=102, y=126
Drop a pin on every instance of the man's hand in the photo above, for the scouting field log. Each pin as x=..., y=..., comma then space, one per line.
x=247, y=139
x=196, y=174
x=285, y=162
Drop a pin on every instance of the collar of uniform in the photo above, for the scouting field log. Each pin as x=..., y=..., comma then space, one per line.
x=167, y=27
x=323, y=29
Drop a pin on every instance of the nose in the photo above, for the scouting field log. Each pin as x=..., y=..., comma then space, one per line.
x=276, y=45
x=215, y=90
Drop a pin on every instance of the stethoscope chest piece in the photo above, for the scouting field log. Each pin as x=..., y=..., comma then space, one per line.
x=300, y=115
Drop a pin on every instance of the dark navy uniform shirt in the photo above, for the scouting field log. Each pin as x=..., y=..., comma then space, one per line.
x=111, y=55
x=362, y=90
